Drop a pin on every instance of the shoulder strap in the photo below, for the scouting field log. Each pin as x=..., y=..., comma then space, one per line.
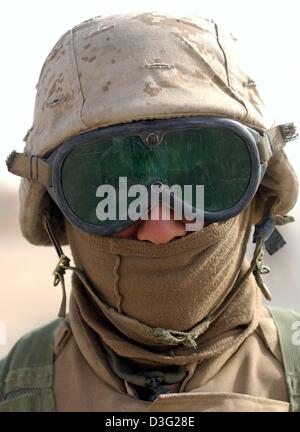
x=26, y=374
x=288, y=325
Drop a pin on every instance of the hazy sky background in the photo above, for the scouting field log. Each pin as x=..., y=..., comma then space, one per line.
x=269, y=32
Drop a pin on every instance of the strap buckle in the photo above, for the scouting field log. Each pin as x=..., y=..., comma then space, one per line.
x=60, y=269
x=260, y=265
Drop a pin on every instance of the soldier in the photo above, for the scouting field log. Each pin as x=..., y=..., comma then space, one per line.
x=165, y=313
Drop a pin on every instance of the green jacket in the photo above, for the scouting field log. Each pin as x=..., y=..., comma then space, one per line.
x=26, y=374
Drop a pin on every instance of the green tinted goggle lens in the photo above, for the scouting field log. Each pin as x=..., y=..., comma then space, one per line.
x=216, y=158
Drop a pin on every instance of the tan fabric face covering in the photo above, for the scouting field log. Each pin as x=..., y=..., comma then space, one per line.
x=149, y=292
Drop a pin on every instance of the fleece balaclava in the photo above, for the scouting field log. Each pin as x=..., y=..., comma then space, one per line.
x=165, y=304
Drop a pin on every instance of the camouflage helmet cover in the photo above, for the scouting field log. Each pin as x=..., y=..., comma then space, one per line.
x=122, y=68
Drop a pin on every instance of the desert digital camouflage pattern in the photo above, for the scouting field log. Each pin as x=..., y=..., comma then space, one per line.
x=128, y=67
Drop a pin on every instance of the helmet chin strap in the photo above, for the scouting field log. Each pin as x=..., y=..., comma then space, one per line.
x=264, y=231
x=267, y=236
x=62, y=265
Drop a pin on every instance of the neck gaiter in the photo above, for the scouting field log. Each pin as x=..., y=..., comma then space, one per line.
x=149, y=303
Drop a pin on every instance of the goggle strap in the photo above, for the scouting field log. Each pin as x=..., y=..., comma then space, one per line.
x=264, y=147
x=30, y=167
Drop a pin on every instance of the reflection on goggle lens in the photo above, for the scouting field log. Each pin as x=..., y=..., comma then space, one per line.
x=216, y=158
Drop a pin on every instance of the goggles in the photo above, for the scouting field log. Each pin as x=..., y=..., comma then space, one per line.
x=119, y=163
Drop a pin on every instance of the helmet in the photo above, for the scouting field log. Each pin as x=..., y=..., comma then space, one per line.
x=129, y=67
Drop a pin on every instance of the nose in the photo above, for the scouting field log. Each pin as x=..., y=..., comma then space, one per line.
x=160, y=227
